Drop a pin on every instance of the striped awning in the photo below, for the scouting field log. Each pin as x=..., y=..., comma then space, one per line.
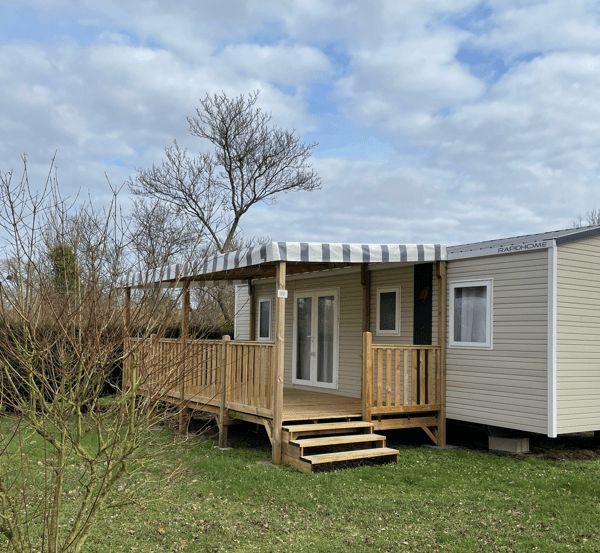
x=299, y=252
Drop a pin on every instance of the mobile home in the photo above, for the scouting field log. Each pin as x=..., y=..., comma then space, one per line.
x=501, y=333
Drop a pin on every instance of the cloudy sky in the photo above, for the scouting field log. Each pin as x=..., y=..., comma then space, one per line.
x=445, y=121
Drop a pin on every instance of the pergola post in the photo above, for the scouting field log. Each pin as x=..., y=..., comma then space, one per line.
x=278, y=361
x=184, y=412
x=223, y=411
x=367, y=365
x=365, y=281
x=252, y=325
x=441, y=314
x=185, y=312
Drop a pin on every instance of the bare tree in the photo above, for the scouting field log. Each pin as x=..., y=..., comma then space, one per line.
x=251, y=162
x=592, y=217
x=60, y=344
x=161, y=234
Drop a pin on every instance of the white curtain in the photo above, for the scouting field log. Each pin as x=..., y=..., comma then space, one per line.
x=470, y=320
x=326, y=322
x=304, y=325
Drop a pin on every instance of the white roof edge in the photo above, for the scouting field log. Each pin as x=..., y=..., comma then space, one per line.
x=521, y=243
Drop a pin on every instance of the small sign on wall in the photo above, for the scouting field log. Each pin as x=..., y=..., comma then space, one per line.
x=282, y=294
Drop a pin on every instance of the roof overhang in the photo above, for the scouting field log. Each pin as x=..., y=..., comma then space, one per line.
x=300, y=257
x=525, y=243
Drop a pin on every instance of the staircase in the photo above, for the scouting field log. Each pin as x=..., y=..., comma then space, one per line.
x=307, y=445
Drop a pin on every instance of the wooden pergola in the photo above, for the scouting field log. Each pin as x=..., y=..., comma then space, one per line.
x=277, y=261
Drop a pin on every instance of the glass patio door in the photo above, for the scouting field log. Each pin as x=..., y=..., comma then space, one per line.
x=316, y=340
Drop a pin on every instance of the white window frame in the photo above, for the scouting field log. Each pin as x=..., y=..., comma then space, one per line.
x=489, y=284
x=258, y=336
x=335, y=292
x=396, y=331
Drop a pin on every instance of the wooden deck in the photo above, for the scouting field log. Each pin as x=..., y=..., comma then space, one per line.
x=300, y=405
x=237, y=380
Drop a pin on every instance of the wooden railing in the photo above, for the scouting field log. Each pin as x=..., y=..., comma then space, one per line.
x=191, y=371
x=250, y=377
x=400, y=379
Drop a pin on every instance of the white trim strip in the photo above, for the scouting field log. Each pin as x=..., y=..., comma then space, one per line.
x=552, y=305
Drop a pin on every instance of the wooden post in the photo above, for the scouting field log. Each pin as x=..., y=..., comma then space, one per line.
x=185, y=312
x=184, y=412
x=223, y=411
x=441, y=276
x=252, y=326
x=278, y=362
x=367, y=376
x=365, y=280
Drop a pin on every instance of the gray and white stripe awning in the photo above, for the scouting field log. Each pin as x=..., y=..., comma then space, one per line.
x=302, y=252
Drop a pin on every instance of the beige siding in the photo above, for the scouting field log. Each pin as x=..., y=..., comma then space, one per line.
x=347, y=282
x=350, y=324
x=505, y=386
x=242, y=313
x=403, y=277
x=578, y=336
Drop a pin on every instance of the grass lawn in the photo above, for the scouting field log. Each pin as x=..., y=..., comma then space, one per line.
x=202, y=499
x=432, y=500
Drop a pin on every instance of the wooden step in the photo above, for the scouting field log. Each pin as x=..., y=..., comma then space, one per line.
x=337, y=440
x=293, y=431
x=352, y=455
x=355, y=439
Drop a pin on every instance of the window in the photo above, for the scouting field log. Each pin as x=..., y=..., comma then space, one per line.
x=264, y=319
x=388, y=311
x=471, y=313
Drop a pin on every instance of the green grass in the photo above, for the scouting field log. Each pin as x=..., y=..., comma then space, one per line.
x=202, y=499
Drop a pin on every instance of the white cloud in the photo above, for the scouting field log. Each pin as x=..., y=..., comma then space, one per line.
x=288, y=65
x=461, y=158
x=521, y=27
x=403, y=66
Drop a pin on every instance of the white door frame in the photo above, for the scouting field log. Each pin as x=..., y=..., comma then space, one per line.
x=315, y=294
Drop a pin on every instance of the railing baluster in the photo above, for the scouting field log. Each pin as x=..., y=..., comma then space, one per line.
x=269, y=381
x=254, y=388
x=430, y=377
x=235, y=376
x=413, y=370
x=388, y=376
x=379, y=378
x=246, y=381
x=261, y=368
x=405, y=374
x=423, y=373
x=397, y=375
